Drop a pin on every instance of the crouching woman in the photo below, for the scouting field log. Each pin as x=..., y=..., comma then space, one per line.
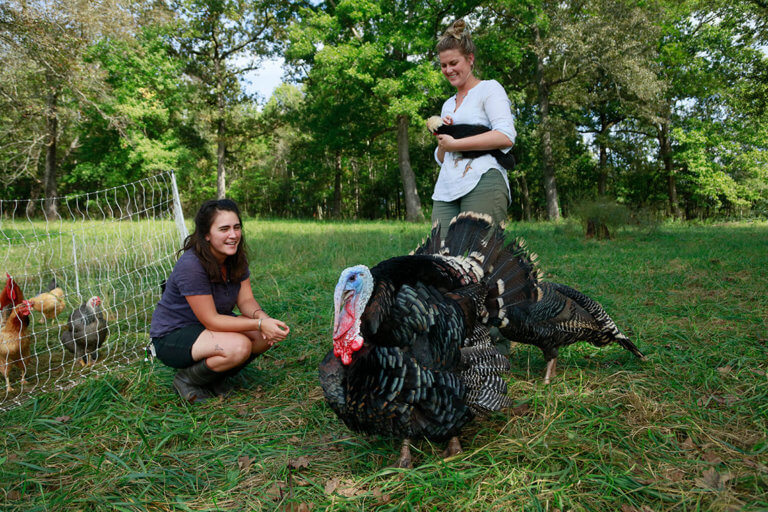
x=194, y=327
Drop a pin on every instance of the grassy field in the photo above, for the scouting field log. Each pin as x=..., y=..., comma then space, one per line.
x=685, y=430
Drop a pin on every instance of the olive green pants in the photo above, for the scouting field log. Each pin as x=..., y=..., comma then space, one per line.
x=489, y=196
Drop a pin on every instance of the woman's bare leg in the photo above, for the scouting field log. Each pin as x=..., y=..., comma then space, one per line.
x=222, y=350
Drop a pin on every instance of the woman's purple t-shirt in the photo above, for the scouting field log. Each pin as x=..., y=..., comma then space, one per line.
x=189, y=278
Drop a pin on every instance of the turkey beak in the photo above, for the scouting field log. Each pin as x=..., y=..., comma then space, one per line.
x=338, y=322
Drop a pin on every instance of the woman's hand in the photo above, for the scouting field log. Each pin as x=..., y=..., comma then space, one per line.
x=446, y=142
x=274, y=330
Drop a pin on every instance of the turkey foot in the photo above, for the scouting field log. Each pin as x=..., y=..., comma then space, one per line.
x=551, y=370
x=453, y=448
x=405, y=461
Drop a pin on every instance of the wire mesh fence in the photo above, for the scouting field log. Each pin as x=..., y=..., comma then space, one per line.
x=117, y=244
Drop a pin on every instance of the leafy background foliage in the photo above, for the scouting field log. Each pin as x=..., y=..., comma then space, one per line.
x=654, y=105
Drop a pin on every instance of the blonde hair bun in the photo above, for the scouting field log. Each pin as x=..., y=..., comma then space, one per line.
x=456, y=37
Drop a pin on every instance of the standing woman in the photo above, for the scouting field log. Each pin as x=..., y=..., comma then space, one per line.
x=478, y=184
x=193, y=326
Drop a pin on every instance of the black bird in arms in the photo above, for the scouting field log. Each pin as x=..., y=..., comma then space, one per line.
x=436, y=125
x=411, y=352
x=558, y=317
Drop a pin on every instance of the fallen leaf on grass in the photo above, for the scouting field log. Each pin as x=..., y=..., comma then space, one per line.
x=756, y=465
x=349, y=489
x=331, y=485
x=294, y=439
x=675, y=475
x=758, y=371
x=381, y=498
x=688, y=444
x=301, y=359
x=301, y=462
x=244, y=462
x=300, y=482
x=14, y=495
x=521, y=410
x=711, y=458
x=63, y=419
x=330, y=443
x=275, y=492
x=295, y=507
x=13, y=457
x=723, y=370
x=346, y=487
x=711, y=479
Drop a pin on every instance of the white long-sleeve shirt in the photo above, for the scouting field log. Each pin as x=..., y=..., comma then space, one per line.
x=486, y=104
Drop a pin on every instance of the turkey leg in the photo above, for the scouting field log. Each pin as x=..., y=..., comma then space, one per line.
x=551, y=370
x=405, y=461
x=453, y=448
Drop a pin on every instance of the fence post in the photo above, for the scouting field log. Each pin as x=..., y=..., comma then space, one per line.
x=74, y=257
x=177, y=213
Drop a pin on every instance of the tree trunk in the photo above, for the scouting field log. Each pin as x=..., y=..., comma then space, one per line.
x=337, y=186
x=548, y=168
x=525, y=197
x=221, y=150
x=602, y=178
x=49, y=176
x=413, y=211
x=356, y=185
x=665, y=150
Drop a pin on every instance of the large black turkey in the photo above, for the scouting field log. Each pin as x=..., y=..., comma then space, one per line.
x=411, y=354
x=560, y=316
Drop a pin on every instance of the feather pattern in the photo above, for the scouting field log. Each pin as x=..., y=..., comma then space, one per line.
x=427, y=366
x=560, y=316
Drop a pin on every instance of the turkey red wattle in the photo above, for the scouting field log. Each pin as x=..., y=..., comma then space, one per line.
x=346, y=333
x=350, y=297
x=345, y=346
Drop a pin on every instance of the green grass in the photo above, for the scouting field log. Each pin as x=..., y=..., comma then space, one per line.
x=684, y=430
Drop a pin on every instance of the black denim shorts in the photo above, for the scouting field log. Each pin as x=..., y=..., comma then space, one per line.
x=175, y=348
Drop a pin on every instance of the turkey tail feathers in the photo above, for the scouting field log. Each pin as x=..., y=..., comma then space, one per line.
x=432, y=244
x=468, y=232
x=513, y=281
x=628, y=345
x=509, y=272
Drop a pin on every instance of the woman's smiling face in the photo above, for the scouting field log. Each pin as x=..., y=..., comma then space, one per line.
x=225, y=234
x=456, y=67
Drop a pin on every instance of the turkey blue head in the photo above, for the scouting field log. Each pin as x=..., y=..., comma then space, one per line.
x=349, y=300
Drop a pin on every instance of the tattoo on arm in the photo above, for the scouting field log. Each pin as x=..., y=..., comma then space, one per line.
x=218, y=348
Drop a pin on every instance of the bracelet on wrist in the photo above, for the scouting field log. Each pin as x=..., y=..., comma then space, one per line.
x=253, y=315
x=259, y=325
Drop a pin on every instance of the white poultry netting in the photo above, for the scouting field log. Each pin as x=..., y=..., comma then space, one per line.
x=117, y=244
